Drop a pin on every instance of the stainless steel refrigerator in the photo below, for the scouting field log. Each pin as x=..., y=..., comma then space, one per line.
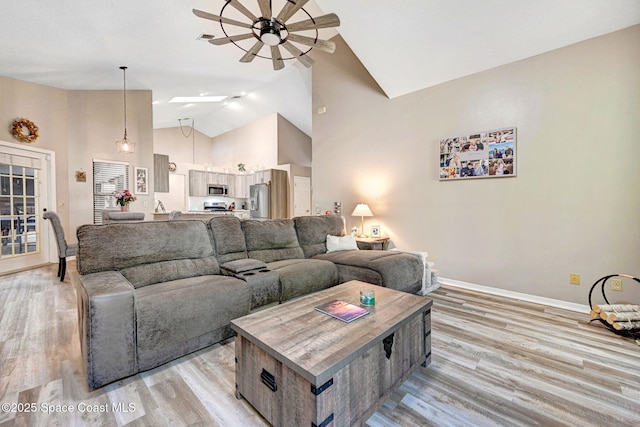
x=259, y=201
x=270, y=200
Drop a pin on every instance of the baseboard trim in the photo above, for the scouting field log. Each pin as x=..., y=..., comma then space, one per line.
x=581, y=308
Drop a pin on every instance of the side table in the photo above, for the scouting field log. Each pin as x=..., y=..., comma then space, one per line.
x=372, y=243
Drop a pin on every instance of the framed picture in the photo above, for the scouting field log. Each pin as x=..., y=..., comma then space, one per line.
x=488, y=154
x=375, y=231
x=142, y=180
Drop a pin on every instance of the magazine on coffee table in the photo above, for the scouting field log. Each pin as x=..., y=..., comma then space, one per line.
x=342, y=310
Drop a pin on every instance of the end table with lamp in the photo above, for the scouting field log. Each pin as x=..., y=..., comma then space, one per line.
x=372, y=243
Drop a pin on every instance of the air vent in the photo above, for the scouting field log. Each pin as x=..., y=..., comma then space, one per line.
x=205, y=37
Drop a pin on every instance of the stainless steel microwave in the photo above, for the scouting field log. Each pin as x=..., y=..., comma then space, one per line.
x=218, y=190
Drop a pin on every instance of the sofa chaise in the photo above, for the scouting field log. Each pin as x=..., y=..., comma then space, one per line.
x=150, y=292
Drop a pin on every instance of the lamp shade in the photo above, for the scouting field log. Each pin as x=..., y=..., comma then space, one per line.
x=362, y=209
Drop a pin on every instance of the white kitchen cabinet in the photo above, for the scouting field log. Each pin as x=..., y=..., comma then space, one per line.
x=262, y=177
x=230, y=182
x=241, y=189
x=250, y=180
x=213, y=178
x=198, y=183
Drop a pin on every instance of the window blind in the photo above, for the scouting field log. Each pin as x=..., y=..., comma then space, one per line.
x=108, y=177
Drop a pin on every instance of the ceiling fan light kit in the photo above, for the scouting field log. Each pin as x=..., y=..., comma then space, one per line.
x=274, y=31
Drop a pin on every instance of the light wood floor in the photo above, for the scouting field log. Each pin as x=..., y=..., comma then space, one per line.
x=496, y=361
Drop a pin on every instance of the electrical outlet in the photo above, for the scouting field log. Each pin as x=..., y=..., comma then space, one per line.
x=574, y=279
x=616, y=284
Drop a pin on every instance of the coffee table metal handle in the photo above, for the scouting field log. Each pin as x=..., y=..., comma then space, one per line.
x=269, y=380
x=388, y=344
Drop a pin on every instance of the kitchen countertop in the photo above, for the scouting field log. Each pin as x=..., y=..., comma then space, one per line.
x=200, y=214
x=206, y=211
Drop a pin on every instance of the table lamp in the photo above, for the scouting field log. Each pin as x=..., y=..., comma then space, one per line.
x=362, y=210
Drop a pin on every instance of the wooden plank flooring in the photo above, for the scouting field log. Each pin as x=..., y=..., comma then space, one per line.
x=495, y=362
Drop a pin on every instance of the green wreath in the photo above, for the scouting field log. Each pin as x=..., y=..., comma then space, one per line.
x=18, y=126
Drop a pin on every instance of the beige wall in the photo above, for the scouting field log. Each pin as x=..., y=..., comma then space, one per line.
x=46, y=107
x=294, y=146
x=80, y=126
x=96, y=123
x=574, y=206
x=192, y=149
x=267, y=142
x=254, y=144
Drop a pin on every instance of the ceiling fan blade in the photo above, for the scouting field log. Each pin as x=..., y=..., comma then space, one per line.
x=298, y=54
x=265, y=8
x=323, y=45
x=225, y=40
x=240, y=8
x=278, y=63
x=212, y=17
x=324, y=21
x=290, y=9
x=251, y=53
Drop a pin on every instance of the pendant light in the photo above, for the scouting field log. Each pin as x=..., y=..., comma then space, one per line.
x=125, y=145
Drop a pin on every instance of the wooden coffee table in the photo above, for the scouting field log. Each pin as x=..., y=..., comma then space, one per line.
x=299, y=367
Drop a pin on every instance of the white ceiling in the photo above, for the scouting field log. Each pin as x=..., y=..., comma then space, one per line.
x=406, y=45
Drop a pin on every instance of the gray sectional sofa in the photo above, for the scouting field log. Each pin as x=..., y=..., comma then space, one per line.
x=150, y=292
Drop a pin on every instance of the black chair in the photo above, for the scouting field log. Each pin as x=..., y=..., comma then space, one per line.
x=64, y=249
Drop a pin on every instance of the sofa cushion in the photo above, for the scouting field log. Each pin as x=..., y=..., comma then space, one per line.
x=171, y=313
x=304, y=276
x=227, y=238
x=312, y=232
x=393, y=270
x=271, y=240
x=166, y=271
x=119, y=246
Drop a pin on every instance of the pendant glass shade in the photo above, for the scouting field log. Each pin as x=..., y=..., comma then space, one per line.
x=125, y=145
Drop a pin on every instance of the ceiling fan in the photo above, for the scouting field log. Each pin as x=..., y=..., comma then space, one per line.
x=274, y=31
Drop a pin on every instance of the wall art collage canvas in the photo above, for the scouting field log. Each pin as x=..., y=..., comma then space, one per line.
x=489, y=154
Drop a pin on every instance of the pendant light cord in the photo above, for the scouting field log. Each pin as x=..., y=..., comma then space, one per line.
x=124, y=71
x=182, y=131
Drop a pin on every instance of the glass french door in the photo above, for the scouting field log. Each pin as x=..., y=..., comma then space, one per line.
x=23, y=193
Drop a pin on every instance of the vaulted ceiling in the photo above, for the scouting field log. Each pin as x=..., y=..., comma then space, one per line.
x=406, y=45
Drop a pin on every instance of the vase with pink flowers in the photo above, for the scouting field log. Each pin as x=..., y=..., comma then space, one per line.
x=123, y=198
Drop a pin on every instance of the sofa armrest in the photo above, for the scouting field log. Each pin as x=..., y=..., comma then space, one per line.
x=106, y=322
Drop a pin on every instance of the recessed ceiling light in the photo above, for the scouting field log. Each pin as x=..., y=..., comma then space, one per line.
x=197, y=98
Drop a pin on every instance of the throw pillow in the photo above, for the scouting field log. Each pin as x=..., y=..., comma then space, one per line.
x=341, y=243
